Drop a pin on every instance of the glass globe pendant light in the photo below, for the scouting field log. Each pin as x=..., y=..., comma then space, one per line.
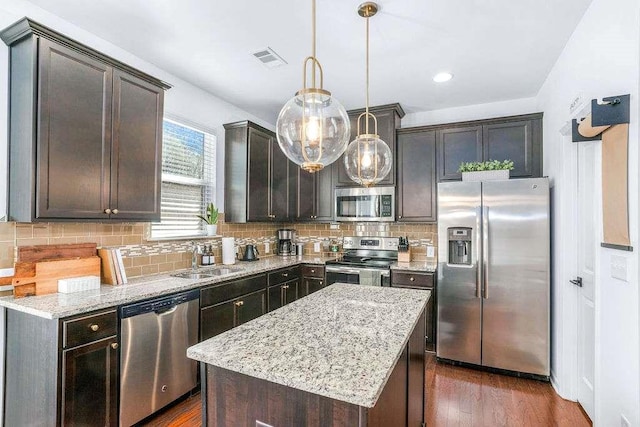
x=368, y=158
x=313, y=127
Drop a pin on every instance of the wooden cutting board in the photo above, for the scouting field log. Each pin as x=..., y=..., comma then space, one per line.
x=41, y=278
x=49, y=252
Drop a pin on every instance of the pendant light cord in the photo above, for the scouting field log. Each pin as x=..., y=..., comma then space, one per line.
x=313, y=41
x=366, y=117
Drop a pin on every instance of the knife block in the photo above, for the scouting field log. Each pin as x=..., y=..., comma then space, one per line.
x=405, y=256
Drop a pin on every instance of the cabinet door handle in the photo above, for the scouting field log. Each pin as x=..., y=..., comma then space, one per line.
x=285, y=287
x=412, y=279
x=115, y=211
x=107, y=211
x=239, y=303
x=321, y=282
x=94, y=327
x=114, y=345
x=399, y=216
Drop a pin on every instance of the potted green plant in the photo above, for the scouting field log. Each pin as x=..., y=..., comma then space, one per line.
x=211, y=219
x=485, y=171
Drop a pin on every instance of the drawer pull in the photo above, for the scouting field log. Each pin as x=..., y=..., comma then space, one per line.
x=313, y=271
x=412, y=279
x=285, y=287
x=321, y=282
x=114, y=345
x=285, y=274
x=94, y=327
x=239, y=303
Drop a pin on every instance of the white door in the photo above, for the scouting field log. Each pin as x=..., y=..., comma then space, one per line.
x=587, y=223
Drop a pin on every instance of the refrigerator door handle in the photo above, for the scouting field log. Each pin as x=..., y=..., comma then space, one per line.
x=478, y=256
x=485, y=251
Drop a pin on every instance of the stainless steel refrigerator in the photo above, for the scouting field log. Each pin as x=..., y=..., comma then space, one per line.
x=493, y=274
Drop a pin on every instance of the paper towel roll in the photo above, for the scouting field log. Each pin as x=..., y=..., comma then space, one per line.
x=228, y=250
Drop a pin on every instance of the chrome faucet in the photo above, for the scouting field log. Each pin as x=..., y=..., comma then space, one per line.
x=194, y=256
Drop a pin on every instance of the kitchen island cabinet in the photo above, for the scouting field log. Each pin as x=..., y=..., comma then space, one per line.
x=345, y=355
x=85, y=132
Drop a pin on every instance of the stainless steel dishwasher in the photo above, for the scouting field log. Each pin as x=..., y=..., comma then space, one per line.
x=154, y=368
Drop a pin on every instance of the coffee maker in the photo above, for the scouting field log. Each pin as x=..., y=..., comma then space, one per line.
x=286, y=238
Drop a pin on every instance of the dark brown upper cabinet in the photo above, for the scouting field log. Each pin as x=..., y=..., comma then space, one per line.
x=518, y=138
x=314, y=196
x=85, y=132
x=457, y=145
x=388, y=117
x=417, y=182
x=257, y=175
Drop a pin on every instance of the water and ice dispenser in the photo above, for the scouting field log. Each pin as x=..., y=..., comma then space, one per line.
x=459, y=239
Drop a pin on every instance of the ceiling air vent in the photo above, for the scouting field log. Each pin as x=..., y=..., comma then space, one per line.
x=269, y=58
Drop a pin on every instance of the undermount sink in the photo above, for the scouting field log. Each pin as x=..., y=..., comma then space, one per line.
x=222, y=271
x=203, y=274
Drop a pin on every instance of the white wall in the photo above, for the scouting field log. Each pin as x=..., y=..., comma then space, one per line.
x=182, y=100
x=471, y=112
x=601, y=59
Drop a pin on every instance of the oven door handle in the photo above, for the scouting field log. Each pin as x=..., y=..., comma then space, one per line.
x=342, y=270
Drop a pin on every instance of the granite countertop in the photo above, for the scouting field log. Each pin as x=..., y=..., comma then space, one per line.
x=54, y=306
x=341, y=342
x=421, y=266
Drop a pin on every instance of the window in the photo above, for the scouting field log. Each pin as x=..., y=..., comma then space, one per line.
x=188, y=180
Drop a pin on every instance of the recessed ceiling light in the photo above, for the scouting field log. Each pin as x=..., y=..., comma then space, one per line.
x=442, y=77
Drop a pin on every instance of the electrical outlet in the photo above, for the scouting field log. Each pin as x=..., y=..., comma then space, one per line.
x=431, y=251
x=619, y=267
x=316, y=247
x=267, y=247
x=624, y=422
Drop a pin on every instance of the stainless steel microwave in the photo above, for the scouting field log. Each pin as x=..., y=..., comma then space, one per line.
x=365, y=204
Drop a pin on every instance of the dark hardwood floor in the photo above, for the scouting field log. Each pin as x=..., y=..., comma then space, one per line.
x=456, y=396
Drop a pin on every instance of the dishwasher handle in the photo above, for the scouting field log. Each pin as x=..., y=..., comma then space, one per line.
x=165, y=311
x=162, y=305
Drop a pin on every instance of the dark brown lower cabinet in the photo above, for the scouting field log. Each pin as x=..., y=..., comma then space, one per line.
x=312, y=279
x=283, y=294
x=61, y=371
x=221, y=317
x=426, y=281
x=89, y=384
x=231, y=398
x=311, y=285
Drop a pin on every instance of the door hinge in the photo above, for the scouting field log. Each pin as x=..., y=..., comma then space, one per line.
x=577, y=281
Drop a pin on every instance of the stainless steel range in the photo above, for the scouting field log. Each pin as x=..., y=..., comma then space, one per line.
x=366, y=261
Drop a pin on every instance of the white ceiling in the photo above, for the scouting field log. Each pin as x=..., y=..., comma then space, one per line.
x=496, y=49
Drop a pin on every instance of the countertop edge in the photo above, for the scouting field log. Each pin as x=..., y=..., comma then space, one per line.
x=30, y=305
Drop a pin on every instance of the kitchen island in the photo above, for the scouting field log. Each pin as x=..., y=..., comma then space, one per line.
x=345, y=355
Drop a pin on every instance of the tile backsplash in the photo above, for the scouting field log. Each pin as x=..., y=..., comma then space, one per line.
x=142, y=256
